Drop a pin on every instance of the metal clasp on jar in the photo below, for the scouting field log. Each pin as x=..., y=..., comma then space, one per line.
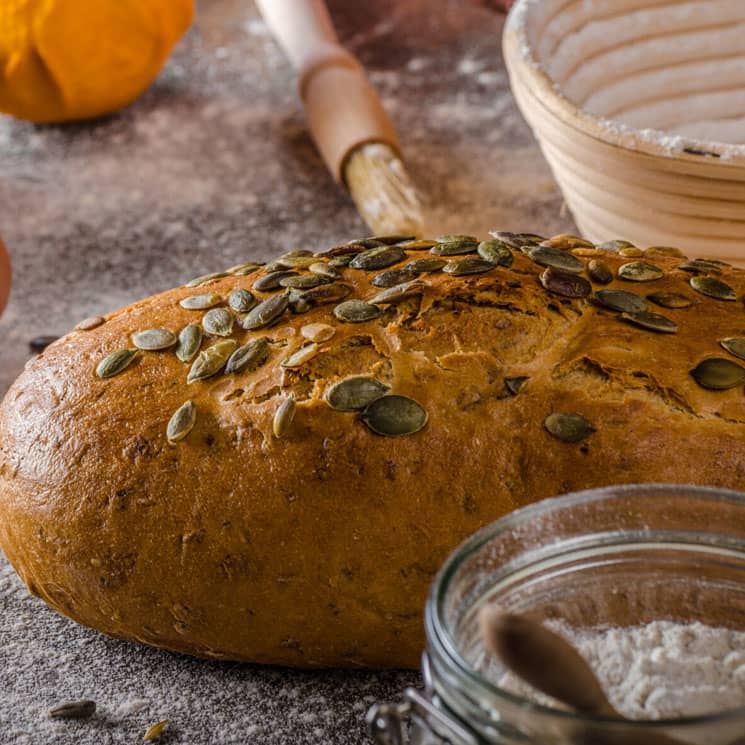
x=419, y=719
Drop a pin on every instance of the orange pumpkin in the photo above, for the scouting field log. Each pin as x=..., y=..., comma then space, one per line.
x=76, y=59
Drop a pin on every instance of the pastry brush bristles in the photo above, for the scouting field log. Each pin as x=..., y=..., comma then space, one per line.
x=382, y=190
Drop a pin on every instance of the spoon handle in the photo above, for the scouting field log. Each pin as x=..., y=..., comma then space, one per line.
x=553, y=666
x=545, y=660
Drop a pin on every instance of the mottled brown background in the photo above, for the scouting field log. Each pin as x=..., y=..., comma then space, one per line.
x=211, y=167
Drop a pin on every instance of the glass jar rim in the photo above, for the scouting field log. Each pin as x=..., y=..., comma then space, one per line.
x=445, y=646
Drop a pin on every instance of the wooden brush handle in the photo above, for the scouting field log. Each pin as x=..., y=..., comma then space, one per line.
x=304, y=30
x=343, y=109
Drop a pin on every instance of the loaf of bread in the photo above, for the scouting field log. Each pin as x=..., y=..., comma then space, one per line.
x=270, y=463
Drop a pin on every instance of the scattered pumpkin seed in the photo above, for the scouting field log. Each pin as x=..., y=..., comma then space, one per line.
x=39, y=343
x=322, y=269
x=90, y=323
x=303, y=282
x=556, y=259
x=394, y=416
x=615, y=245
x=700, y=266
x=115, y=363
x=422, y=266
x=200, y=302
x=356, y=311
x=456, y=238
x=670, y=300
x=296, y=253
x=471, y=265
x=301, y=356
x=631, y=253
x=155, y=730
x=272, y=280
x=516, y=384
x=249, y=357
x=182, y=422
x=297, y=303
x=640, y=271
x=734, y=345
x=378, y=258
x=333, y=292
x=712, y=287
x=205, y=278
x=297, y=262
x=495, y=251
x=210, y=361
x=718, y=374
x=241, y=270
x=367, y=242
x=152, y=340
x=599, y=272
x=653, y=251
x=566, y=242
x=218, y=322
x=241, y=301
x=347, y=250
x=355, y=393
x=274, y=266
x=568, y=285
x=189, y=341
x=283, y=416
x=339, y=262
x=397, y=293
x=568, y=427
x=517, y=241
x=317, y=332
x=586, y=252
x=417, y=245
x=621, y=300
x=464, y=245
x=73, y=710
x=391, y=278
x=651, y=321
x=389, y=240
x=266, y=312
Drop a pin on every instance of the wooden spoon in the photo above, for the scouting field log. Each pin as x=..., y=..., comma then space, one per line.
x=553, y=666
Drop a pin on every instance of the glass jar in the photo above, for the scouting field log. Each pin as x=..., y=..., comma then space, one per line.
x=618, y=556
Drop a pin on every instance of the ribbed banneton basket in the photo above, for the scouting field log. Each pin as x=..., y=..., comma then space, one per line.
x=634, y=103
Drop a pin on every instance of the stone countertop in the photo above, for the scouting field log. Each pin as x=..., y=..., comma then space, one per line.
x=213, y=166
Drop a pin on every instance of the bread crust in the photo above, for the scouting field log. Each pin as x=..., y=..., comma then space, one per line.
x=317, y=548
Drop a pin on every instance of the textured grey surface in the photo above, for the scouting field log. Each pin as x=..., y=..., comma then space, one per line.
x=210, y=167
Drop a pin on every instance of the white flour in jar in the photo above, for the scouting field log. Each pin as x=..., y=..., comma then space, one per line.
x=659, y=670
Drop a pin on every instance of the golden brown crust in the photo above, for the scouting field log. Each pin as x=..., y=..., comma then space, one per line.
x=317, y=548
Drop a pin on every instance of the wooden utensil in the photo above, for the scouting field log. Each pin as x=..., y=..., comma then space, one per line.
x=354, y=135
x=554, y=667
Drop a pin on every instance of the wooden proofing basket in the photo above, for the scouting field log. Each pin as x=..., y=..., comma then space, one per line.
x=642, y=82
